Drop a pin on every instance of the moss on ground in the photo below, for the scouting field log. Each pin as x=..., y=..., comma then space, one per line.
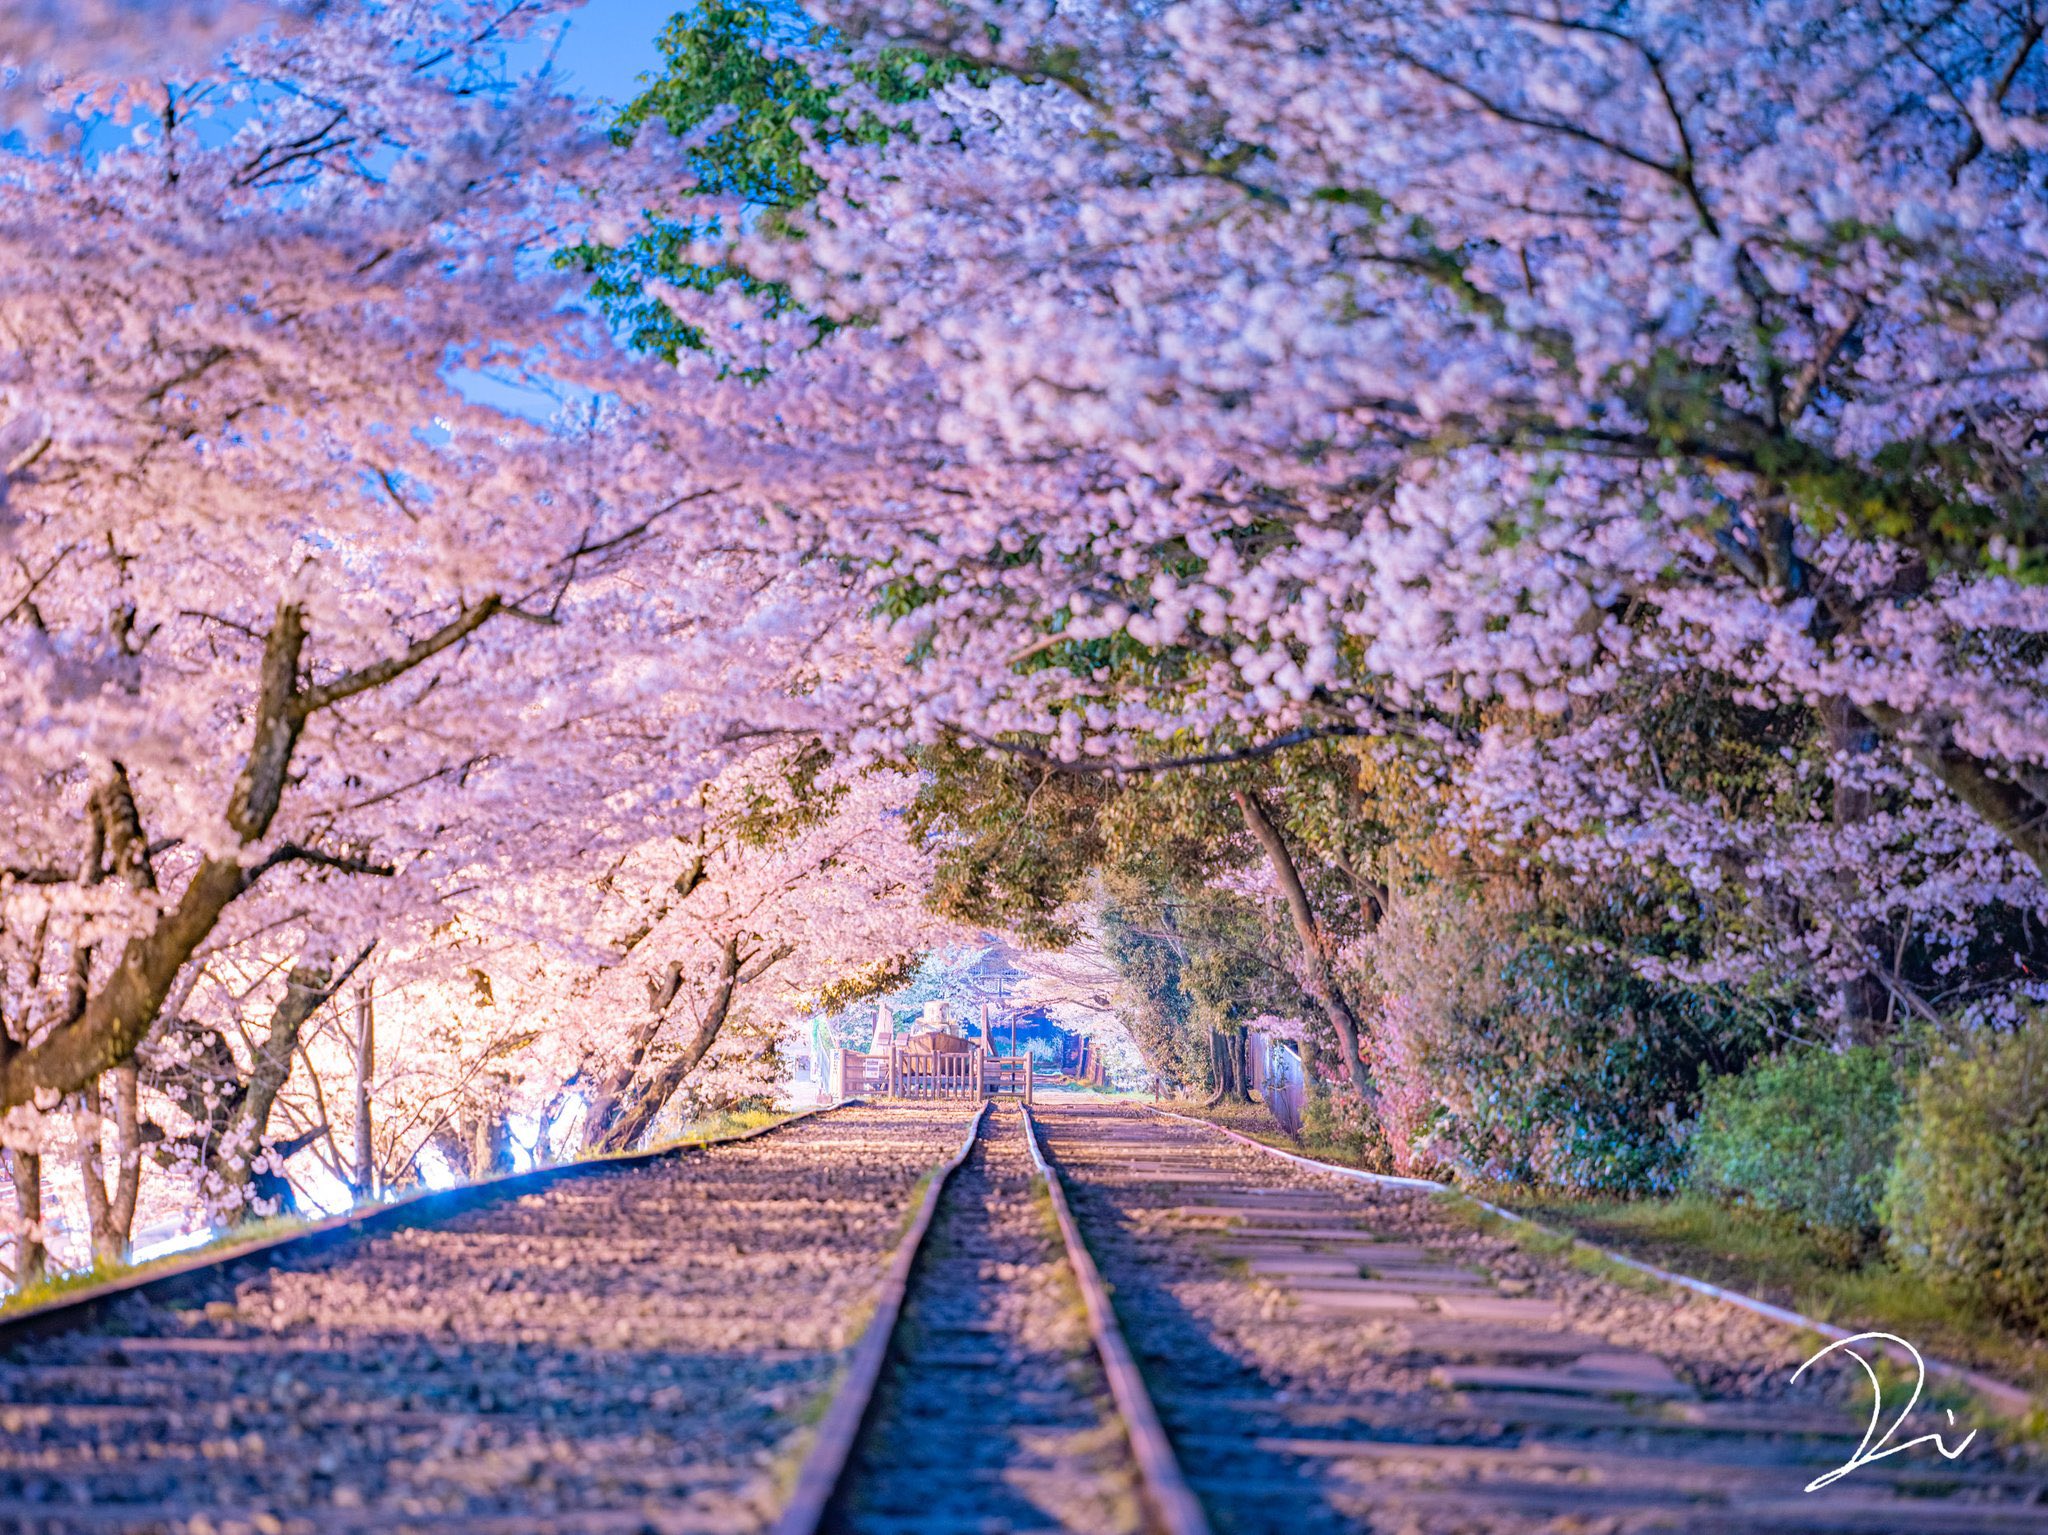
x=1774, y=1259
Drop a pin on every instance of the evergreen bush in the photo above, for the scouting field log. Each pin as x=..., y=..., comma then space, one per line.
x=1809, y=1133
x=1967, y=1203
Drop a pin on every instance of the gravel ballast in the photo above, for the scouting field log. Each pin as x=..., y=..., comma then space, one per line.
x=1335, y=1356
x=628, y=1350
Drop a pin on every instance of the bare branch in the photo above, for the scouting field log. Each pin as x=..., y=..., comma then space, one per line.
x=292, y=852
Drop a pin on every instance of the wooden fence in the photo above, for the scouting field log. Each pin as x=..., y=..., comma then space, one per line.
x=907, y=1072
x=935, y=1074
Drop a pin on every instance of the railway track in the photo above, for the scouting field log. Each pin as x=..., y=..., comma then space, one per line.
x=634, y=1348
x=1334, y=1356
x=624, y=1348
x=1008, y=1405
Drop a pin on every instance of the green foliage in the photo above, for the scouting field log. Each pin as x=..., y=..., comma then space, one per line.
x=770, y=813
x=1598, y=1067
x=870, y=982
x=1159, y=1018
x=742, y=62
x=1777, y=1259
x=1809, y=1133
x=1967, y=1203
x=1015, y=841
x=1543, y=1057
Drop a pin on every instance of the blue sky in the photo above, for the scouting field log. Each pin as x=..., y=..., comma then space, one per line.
x=608, y=44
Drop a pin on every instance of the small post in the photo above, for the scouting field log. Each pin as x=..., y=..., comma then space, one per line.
x=979, y=1090
x=365, y=1169
x=1027, y=1081
x=895, y=1070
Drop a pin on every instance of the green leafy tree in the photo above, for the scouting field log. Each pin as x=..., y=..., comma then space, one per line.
x=753, y=71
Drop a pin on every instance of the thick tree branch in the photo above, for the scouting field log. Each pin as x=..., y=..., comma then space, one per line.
x=467, y=622
x=292, y=852
x=652, y=1095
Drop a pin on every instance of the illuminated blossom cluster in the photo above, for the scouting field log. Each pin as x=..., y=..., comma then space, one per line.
x=1225, y=371
x=348, y=599
x=1179, y=381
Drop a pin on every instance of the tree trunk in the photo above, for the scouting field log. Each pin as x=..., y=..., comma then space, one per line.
x=1863, y=999
x=117, y=1018
x=364, y=1173
x=111, y=1212
x=307, y=989
x=608, y=1099
x=551, y=1111
x=490, y=1136
x=1229, y=1075
x=1319, y=980
x=31, y=1256
x=653, y=1095
x=1215, y=1075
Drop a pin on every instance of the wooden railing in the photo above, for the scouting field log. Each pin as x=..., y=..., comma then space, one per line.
x=862, y=1076
x=1009, y=1074
x=907, y=1072
x=935, y=1073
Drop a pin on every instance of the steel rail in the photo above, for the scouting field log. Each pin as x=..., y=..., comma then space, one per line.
x=2001, y=1396
x=424, y=1208
x=824, y=1466
x=1173, y=1505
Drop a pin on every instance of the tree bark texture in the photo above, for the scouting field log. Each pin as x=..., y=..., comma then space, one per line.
x=118, y=1015
x=364, y=1172
x=110, y=1211
x=31, y=1257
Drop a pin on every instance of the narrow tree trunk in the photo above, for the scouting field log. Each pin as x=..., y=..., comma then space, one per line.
x=1223, y=1079
x=1862, y=998
x=1319, y=980
x=544, y=1132
x=31, y=1256
x=304, y=990
x=307, y=989
x=490, y=1138
x=364, y=1172
x=111, y=1211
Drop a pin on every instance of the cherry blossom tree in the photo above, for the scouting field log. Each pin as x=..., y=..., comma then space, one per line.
x=308, y=644
x=81, y=53
x=1220, y=375
x=798, y=876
